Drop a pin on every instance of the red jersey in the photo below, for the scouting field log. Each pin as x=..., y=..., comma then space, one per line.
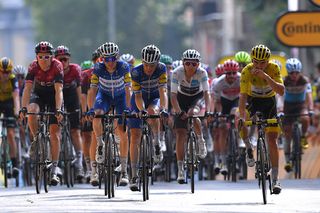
x=72, y=79
x=44, y=80
x=86, y=80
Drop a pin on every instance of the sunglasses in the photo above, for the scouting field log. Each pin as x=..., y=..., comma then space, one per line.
x=63, y=59
x=44, y=57
x=231, y=73
x=110, y=59
x=291, y=73
x=188, y=63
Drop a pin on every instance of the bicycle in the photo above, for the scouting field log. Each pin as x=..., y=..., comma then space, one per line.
x=263, y=163
x=191, y=161
x=112, y=157
x=67, y=150
x=41, y=162
x=4, y=157
x=296, y=151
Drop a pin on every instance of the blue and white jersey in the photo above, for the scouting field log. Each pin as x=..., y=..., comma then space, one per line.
x=111, y=84
x=295, y=92
x=149, y=85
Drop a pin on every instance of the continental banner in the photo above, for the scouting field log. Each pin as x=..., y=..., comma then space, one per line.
x=299, y=29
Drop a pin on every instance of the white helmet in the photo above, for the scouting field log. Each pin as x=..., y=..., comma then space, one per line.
x=108, y=49
x=20, y=70
x=150, y=54
x=176, y=63
x=126, y=57
x=191, y=54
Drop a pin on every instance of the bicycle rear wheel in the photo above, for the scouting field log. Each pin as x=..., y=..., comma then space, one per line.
x=261, y=158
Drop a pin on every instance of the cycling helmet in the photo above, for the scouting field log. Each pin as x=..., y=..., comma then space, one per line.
x=95, y=55
x=108, y=49
x=43, y=47
x=293, y=65
x=242, y=57
x=176, y=63
x=277, y=62
x=6, y=65
x=219, y=70
x=62, y=50
x=191, y=54
x=260, y=52
x=166, y=59
x=86, y=65
x=20, y=70
x=231, y=66
x=150, y=54
x=127, y=57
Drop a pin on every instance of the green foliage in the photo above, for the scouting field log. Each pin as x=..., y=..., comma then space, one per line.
x=82, y=25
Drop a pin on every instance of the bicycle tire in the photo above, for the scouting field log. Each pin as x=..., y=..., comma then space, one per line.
x=108, y=163
x=144, y=172
x=261, y=152
x=168, y=156
x=192, y=144
x=4, y=160
x=66, y=161
x=38, y=167
x=296, y=152
x=46, y=171
x=233, y=156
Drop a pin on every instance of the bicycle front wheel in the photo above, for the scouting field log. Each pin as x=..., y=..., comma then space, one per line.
x=38, y=163
x=4, y=160
x=145, y=172
x=297, y=153
x=192, y=146
x=109, y=183
x=261, y=158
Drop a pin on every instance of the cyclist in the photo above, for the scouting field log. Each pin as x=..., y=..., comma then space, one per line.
x=226, y=95
x=176, y=64
x=189, y=84
x=71, y=99
x=9, y=106
x=43, y=87
x=297, y=99
x=21, y=72
x=243, y=58
x=260, y=81
x=149, y=81
x=129, y=59
x=89, y=140
x=110, y=86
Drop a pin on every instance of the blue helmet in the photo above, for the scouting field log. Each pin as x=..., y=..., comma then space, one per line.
x=293, y=65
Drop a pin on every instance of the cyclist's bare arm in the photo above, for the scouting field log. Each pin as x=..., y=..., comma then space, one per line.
x=163, y=98
x=92, y=92
x=212, y=105
x=128, y=95
x=309, y=101
x=207, y=100
x=174, y=102
x=83, y=102
x=58, y=94
x=242, y=105
x=139, y=101
x=16, y=101
x=79, y=93
x=26, y=94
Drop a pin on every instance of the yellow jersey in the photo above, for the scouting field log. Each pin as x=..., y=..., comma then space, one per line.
x=255, y=86
x=7, y=87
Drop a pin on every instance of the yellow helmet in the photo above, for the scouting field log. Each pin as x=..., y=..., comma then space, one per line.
x=6, y=65
x=260, y=52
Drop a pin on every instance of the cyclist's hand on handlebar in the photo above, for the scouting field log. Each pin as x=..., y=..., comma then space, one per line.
x=182, y=115
x=59, y=115
x=143, y=112
x=311, y=113
x=22, y=113
x=90, y=115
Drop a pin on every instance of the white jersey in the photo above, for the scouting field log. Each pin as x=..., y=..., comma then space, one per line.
x=214, y=81
x=228, y=91
x=198, y=83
